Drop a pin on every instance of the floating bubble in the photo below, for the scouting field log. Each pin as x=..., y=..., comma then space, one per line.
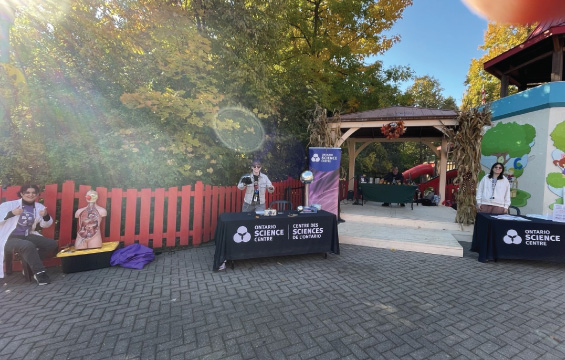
x=239, y=129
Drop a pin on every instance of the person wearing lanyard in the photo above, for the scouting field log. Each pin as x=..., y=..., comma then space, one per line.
x=255, y=185
x=493, y=192
x=18, y=223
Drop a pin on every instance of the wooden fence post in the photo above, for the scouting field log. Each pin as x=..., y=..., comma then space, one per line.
x=67, y=215
x=172, y=217
x=131, y=211
x=116, y=214
x=103, y=202
x=185, y=215
x=198, y=209
x=207, y=212
x=144, y=216
x=215, y=209
x=158, y=216
x=50, y=202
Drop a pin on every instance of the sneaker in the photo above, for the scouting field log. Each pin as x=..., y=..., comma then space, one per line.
x=403, y=205
x=385, y=204
x=222, y=267
x=42, y=278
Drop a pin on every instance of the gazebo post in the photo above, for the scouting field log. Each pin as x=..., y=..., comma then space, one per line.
x=557, y=60
x=443, y=168
x=351, y=171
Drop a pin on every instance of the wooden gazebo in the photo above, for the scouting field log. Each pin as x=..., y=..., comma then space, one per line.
x=537, y=60
x=421, y=125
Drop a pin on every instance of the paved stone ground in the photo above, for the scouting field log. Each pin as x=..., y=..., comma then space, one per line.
x=366, y=303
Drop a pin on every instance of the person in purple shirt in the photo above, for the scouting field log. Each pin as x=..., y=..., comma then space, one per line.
x=18, y=222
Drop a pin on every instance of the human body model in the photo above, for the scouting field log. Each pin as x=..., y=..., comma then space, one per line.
x=89, y=219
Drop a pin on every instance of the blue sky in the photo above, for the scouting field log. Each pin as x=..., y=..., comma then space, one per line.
x=439, y=38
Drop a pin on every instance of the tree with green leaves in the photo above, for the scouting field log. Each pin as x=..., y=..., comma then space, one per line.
x=426, y=92
x=120, y=87
x=284, y=57
x=293, y=54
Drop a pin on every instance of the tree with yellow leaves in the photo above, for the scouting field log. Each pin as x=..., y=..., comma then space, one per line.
x=498, y=39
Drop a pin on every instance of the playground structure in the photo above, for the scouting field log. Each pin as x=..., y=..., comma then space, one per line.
x=426, y=169
x=419, y=170
x=429, y=170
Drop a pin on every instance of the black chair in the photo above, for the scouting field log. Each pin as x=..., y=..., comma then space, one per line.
x=512, y=209
x=281, y=205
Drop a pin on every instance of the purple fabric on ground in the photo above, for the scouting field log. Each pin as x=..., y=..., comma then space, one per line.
x=133, y=256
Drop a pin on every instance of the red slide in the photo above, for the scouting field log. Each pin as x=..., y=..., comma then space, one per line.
x=418, y=170
x=428, y=169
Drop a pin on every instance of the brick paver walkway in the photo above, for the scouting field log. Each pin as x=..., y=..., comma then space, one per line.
x=366, y=303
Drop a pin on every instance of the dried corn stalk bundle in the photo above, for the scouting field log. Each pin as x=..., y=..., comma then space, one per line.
x=466, y=140
x=320, y=133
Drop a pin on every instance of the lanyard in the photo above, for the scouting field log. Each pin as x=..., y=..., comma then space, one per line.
x=493, y=187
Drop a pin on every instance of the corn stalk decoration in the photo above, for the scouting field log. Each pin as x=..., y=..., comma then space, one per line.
x=466, y=140
x=321, y=135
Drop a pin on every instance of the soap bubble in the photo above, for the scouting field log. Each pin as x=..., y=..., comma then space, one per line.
x=239, y=129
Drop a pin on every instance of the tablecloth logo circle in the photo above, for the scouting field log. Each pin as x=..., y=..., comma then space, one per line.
x=242, y=235
x=512, y=237
x=316, y=158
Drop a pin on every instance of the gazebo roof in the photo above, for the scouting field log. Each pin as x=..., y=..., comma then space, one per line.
x=419, y=122
x=530, y=63
x=545, y=26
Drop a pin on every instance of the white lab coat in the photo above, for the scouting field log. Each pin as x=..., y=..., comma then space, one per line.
x=7, y=226
x=264, y=184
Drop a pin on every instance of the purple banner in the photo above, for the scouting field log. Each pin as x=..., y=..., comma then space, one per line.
x=324, y=190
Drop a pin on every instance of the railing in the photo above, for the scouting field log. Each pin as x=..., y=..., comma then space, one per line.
x=158, y=218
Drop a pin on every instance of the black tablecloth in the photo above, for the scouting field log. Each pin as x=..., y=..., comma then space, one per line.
x=512, y=239
x=246, y=236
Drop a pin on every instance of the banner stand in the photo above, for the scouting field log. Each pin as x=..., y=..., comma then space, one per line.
x=324, y=190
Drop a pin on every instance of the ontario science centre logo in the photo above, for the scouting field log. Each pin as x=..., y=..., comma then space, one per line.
x=534, y=237
x=261, y=232
x=315, y=158
x=512, y=237
x=242, y=235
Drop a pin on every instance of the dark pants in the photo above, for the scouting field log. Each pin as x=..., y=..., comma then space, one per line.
x=256, y=207
x=32, y=249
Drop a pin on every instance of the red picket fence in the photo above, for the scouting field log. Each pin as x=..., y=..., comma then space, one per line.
x=158, y=218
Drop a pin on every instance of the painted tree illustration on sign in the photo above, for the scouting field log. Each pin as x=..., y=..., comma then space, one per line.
x=509, y=144
x=556, y=180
